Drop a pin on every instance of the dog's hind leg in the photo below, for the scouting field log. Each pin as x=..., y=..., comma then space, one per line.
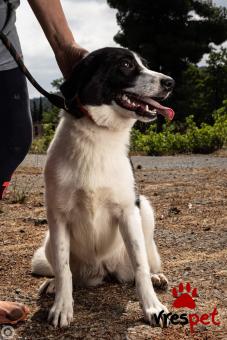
x=86, y=274
x=148, y=224
x=40, y=264
x=119, y=265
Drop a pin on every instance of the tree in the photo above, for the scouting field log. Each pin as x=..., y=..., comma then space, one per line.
x=35, y=112
x=51, y=116
x=170, y=34
x=205, y=88
x=216, y=78
x=40, y=115
x=56, y=83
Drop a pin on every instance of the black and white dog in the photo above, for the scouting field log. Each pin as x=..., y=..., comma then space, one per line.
x=95, y=227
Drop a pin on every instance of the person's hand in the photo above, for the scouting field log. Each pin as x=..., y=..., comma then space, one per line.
x=12, y=312
x=68, y=57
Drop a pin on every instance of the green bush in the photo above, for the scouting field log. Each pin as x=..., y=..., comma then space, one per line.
x=205, y=139
x=40, y=145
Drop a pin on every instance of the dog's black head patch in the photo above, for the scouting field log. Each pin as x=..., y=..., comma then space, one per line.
x=100, y=76
x=117, y=77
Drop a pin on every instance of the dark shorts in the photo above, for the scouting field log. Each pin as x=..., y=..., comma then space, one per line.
x=15, y=122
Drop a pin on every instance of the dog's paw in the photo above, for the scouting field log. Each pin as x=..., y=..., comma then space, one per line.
x=159, y=281
x=47, y=287
x=61, y=313
x=156, y=315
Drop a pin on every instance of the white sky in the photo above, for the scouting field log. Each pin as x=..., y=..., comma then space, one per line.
x=92, y=22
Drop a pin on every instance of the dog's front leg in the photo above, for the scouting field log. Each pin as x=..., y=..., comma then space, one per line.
x=131, y=230
x=61, y=312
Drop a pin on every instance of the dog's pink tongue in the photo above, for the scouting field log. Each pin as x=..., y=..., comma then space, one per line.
x=163, y=110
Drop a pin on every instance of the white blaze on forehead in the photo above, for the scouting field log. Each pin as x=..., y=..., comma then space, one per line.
x=147, y=83
x=144, y=69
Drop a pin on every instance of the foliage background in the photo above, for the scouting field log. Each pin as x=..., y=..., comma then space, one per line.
x=173, y=37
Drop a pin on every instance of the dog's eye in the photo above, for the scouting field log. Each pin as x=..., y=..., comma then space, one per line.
x=127, y=64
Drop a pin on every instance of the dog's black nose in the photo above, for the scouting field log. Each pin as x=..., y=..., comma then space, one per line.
x=167, y=83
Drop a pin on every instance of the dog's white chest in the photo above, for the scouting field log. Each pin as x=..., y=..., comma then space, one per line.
x=94, y=223
x=92, y=184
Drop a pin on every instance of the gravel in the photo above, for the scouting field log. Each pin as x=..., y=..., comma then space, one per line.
x=153, y=162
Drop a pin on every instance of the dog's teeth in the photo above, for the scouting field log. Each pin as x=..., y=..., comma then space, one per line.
x=147, y=108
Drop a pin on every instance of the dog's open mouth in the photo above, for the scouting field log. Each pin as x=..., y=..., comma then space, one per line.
x=143, y=106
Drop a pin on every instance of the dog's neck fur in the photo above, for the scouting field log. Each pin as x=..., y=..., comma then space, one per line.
x=83, y=145
x=105, y=129
x=105, y=116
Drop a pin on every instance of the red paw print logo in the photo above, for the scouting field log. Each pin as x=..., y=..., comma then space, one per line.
x=184, y=296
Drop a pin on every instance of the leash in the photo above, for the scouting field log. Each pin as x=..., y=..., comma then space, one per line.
x=54, y=99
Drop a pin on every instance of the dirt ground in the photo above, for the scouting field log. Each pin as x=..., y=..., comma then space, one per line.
x=191, y=225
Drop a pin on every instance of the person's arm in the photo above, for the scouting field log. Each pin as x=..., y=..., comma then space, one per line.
x=53, y=22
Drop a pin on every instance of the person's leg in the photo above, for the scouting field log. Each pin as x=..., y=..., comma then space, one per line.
x=15, y=123
x=15, y=140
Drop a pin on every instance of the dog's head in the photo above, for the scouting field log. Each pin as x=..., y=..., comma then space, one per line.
x=113, y=83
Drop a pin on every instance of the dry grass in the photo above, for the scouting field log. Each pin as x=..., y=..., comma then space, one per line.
x=191, y=234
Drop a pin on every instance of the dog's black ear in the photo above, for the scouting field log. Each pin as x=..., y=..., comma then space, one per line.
x=81, y=74
x=70, y=86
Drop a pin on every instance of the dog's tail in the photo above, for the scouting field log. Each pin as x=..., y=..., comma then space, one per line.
x=40, y=264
